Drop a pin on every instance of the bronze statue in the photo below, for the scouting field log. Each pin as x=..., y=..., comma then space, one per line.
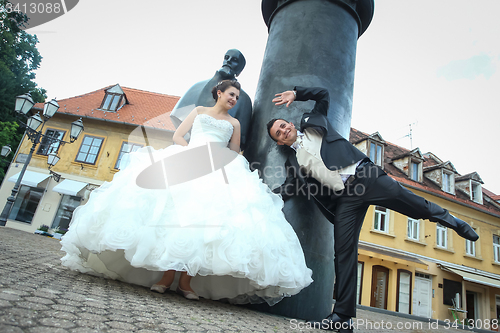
x=201, y=94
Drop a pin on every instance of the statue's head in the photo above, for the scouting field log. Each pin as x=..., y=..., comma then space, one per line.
x=233, y=64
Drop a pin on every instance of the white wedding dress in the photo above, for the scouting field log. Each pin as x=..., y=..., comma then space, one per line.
x=228, y=231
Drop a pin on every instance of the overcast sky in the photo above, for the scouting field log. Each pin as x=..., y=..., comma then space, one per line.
x=432, y=64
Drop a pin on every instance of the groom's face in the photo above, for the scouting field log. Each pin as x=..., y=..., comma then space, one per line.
x=283, y=132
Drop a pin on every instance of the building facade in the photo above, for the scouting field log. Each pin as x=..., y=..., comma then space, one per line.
x=116, y=121
x=419, y=267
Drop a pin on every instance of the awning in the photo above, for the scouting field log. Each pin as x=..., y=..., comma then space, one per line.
x=30, y=178
x=397, y=258
x=69, y=187
x=473, y=277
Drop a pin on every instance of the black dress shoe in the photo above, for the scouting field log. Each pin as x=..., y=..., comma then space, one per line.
x=335, y=322
x=464, y=230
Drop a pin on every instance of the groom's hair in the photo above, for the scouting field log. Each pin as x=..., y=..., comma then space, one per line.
x=271, y=123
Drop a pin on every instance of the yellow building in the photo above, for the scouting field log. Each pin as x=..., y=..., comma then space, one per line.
x=117, y=120
x=419, y=267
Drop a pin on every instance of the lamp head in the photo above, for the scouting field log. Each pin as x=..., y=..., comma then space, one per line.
x=76, y=129
x=50, y=108
x=24, y=103
x=6, y=150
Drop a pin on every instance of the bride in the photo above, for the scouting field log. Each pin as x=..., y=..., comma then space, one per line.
x=223, y=233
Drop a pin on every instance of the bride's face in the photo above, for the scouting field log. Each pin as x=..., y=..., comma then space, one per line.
x=229, y=98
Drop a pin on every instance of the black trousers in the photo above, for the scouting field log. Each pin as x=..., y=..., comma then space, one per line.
x=371, y=186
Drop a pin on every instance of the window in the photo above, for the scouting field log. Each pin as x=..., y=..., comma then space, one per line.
x=476, y=192
x=111, y=102
x=127, y=147
x=89, y=150
x=65, y=211
x=441, y=236
x=450, y=290
x=496, y=248
x=413, y=229
x=376, y=153
x=50, y=142
x=470, y=248
x=447, y=180
x=381, y=222
x=414, y=171
x=404, y=292
x=26, y=203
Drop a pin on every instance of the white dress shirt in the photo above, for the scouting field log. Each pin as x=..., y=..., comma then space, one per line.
x=307, y=147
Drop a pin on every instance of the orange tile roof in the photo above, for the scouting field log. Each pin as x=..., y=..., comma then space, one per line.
x=143, y=108
x=392, y=151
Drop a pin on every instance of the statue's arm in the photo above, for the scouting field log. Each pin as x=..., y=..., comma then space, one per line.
x=243, y=112
x=191, y=96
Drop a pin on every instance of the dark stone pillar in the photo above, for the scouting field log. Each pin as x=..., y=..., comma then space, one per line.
x=310, y=43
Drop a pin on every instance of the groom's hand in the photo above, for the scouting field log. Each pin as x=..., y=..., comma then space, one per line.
x=286, y=97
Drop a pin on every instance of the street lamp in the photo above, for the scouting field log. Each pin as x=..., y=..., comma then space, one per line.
x=23, y=105
x=6, y=150
x=52, y=160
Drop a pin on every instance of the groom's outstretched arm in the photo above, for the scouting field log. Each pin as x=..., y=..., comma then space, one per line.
x=320, y=95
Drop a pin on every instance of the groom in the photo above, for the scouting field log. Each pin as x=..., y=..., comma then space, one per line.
x=344, y=183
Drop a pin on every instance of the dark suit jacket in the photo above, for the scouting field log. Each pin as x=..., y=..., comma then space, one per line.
x=336, y=153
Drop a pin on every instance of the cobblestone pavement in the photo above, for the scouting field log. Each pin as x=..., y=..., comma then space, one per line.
x=38, y=294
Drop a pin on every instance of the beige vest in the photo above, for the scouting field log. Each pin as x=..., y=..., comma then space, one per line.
x=309, y=158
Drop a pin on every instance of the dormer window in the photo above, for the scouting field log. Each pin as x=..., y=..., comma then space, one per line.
x=448, y=182
x=471, y=184
x=476, y=192
x=114, y=99
x=376, y=153
x=410, y=163
x=111, y=102
x=415, y=170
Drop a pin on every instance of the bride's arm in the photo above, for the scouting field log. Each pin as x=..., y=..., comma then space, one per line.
x=234, y=142
x=184, y=127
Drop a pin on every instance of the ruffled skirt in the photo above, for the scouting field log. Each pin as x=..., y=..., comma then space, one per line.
x=228, y=231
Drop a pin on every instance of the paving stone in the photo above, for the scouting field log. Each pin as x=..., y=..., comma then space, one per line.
x=84, y=330
x=126, y=319
x=32, y=306
x=40, y=300
x=93, y=317
x=66, y=308
x=10, y=329
x=9, y=297
x=38, y=295
x=42, y=329
x=120, y=325
x=94, y=310
x=92, y=325
x=57, y=322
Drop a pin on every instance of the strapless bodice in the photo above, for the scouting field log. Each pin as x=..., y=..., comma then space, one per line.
x=208, y=129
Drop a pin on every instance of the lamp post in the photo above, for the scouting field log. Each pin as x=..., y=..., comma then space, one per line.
x=24, y=103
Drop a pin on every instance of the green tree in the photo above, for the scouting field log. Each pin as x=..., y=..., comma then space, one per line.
x=19, y=58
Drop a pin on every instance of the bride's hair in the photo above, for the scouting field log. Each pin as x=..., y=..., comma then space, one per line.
x=223, y=85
